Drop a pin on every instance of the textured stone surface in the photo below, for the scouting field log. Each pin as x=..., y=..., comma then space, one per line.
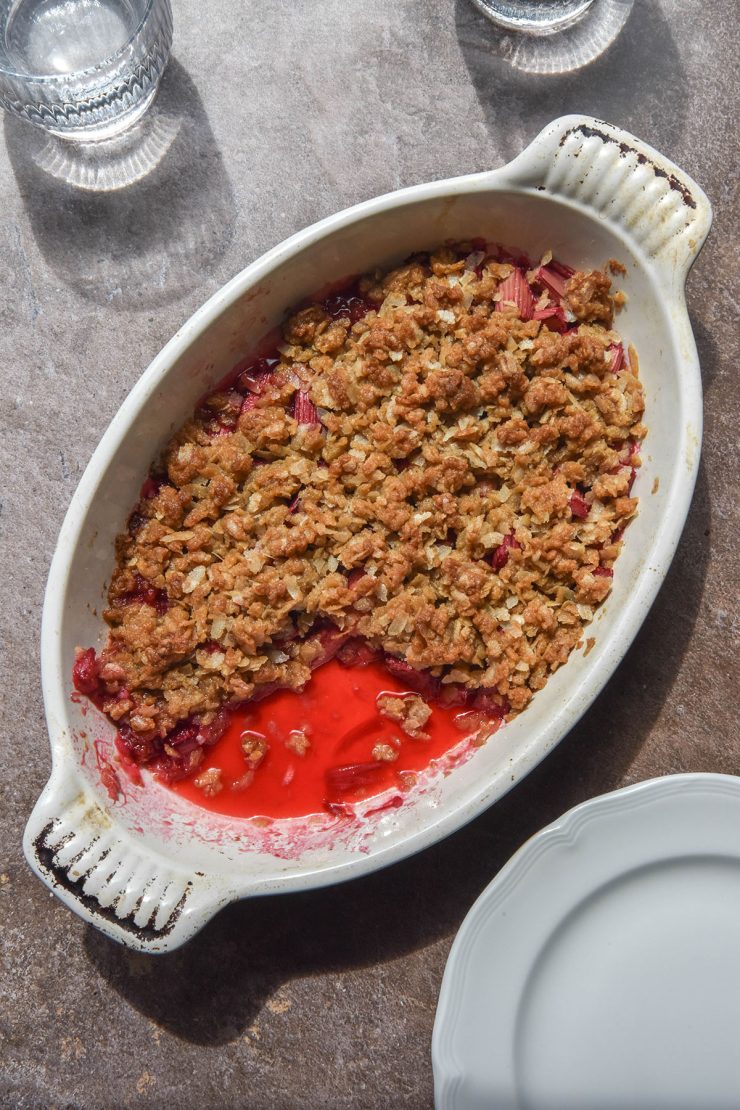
x=289, y=112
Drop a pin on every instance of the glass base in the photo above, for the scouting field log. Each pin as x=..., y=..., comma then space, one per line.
x=534, y=17
x=106, y=130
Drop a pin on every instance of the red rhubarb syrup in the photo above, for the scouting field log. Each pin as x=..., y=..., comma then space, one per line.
x=337, y=711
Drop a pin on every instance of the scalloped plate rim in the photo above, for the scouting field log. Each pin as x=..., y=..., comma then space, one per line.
x=566, y=832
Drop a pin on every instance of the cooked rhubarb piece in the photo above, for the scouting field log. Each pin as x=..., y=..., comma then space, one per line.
x=355, y=776
x=552, y=281
x=143, y=593
x=425, y=684
x=617, y=353
x=560, y=268
x=357, y=653
x=348, y=306
x=553, y=317
x=254, y=377
x=304, y=409
x=500, y=557
x=515, y=290
x=152, y=485
x=86, y=672
x=491, y=703
x=579, y=506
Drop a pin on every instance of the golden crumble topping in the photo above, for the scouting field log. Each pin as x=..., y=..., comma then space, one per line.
x=442, y=469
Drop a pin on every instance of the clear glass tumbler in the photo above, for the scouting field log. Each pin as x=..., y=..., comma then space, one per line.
x=82, y=69
x=537, y=17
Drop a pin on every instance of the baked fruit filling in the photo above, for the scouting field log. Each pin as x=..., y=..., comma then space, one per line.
x=433, y=470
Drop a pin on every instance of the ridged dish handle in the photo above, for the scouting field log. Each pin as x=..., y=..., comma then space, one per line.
x=134, y=896
x=661, y=211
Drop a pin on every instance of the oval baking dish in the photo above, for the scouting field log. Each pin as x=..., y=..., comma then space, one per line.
x=150, y=869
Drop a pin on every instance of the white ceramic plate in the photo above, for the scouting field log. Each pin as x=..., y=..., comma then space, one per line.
x=600, y=969
x=150, y=869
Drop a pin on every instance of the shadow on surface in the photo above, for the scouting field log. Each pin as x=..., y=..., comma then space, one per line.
x=211, y=990
x=709, y=358
x=638, y=82
x=137, y=221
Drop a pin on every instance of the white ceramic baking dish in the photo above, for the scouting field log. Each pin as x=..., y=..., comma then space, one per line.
x=149, y=869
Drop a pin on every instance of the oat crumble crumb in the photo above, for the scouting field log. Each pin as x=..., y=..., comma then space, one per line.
x=385, y=753
x=298, y=742
x=254, y=748
x=209, y=781
x=410, y=711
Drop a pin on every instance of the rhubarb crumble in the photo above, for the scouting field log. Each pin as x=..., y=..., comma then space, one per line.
x=434, y=469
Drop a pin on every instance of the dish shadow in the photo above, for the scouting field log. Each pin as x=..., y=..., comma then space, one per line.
x=636, y=82
x=706, y=346
x=137, y=221
x=211, y=990
x=707, y=349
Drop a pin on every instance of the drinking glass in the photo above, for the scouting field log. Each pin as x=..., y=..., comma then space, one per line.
x=82, y=69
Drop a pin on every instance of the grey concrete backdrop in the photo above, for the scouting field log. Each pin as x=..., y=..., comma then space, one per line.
x=290, y=111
